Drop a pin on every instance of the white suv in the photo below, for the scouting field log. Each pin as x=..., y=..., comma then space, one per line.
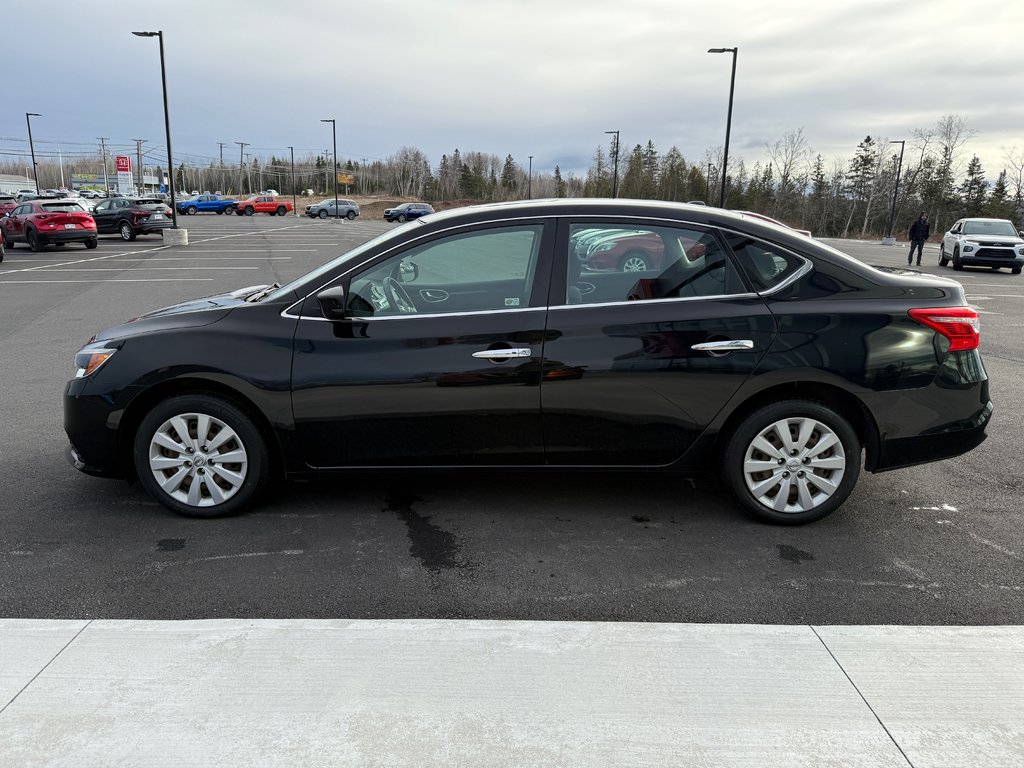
x=991, y=243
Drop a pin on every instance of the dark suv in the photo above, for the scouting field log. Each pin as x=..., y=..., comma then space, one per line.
x=130, y=217
x=407, y=211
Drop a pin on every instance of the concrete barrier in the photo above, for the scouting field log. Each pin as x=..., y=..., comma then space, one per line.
x=175, y=236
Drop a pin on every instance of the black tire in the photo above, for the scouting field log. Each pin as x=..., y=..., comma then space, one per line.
x=635, y=261
x=402, y=218
x=350, y=215
x=9, y=244
x=91, y=243
x=812, y=501
x=191, y=210
x=33, y=241
x=281, y=210
x=220, y=212
x=1016, y=270
x=249, y=210
x=126, y=230
x=238, y=211
x=943, y=258
x=249, y=474
x=957, y=264
x=323, y=213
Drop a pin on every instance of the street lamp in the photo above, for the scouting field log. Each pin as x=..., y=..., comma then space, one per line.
x=31, y=146
x=334, y=138
x=529, y=181
x=167, y=121
x=728, y=121
x=896, y=190
x=615, y=175
x=295, y=204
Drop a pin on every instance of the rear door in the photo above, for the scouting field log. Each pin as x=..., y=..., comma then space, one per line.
x=637, y=364
x=103, y=214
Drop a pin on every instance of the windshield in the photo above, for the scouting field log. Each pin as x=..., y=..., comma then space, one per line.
x=999, y=228
x=63, y=208
x=288, y=288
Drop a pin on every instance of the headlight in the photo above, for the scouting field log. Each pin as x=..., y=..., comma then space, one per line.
x=91, y=357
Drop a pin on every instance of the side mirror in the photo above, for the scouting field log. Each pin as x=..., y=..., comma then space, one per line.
x=332, y=302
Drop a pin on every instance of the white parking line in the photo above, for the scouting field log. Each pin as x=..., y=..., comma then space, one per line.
x=79, y=261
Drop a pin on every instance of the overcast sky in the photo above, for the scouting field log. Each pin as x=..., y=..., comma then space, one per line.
x=528, y=77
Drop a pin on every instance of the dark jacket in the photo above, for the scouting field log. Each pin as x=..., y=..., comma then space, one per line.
x=920, y=230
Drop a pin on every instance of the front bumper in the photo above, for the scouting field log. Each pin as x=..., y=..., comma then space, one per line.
x=992, y=257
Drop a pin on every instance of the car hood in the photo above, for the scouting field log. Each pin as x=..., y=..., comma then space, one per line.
x=1008, y=239
x=187, y=314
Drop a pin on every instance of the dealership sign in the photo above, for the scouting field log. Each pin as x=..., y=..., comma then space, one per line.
x=123, y=163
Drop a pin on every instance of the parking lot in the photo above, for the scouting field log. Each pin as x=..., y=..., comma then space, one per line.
x=937, y=544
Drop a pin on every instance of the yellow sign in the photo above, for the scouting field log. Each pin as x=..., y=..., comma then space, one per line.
x=347, y=178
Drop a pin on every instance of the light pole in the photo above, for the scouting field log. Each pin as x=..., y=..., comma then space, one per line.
x=167, y=121
x=295, y=204
x=334, y=139
x=241, y=164
x=138, y=153
x=728, y=121
x=899, y=168
x=615, y=174
x=707, y=187
x=529, y=180
x=31, y=146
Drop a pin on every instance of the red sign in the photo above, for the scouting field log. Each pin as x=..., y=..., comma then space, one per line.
x=123, y=162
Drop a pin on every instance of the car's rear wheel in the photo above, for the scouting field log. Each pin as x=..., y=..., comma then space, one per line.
x=91, y=243
x=33, y=241
x=957, y=264
x=191, y=210
x=792, y=462
x=126, y=230
x=201, y=456
x=402, y=218
x=634, y=261
x=281, y=210
x=350, y=215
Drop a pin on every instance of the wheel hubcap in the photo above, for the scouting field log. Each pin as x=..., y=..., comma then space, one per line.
x=794, y=465
x=634, y=265
x=198, y=459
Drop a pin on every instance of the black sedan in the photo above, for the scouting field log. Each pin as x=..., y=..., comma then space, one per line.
x=475, y=339
x=130, y=216
x=407, y=211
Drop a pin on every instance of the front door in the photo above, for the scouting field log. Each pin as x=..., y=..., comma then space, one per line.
x=438, y=361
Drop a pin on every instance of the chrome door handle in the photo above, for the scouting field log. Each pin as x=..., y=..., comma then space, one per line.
x=503, y=354
x=732, y=345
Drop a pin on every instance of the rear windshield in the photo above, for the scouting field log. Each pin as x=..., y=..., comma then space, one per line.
x=63, y=208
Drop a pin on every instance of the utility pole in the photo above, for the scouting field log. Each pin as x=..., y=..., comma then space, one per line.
x=248, y=170
x=222, y=185
x=241, y=157
x=295, y=204
x=138, y=154
x=103, y=151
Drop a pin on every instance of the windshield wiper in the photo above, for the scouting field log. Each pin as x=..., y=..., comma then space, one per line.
x=262, y=293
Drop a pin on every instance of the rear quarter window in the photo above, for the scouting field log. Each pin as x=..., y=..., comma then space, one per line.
x=767, y=266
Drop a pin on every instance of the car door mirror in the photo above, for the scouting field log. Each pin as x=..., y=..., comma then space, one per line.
x=332, y=302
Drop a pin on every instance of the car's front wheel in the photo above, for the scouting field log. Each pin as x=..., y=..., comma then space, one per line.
x=943, y=258
x=957, y=264
x=201, y=456
x=792, y=462
x=634, y=262
x=249, y=210
x=402, y=218
x=323, y=213
x=191, y=210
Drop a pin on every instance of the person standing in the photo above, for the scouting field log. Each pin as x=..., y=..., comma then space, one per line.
x=919, y=232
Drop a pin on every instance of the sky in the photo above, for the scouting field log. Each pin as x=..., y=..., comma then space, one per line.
x=544, y=78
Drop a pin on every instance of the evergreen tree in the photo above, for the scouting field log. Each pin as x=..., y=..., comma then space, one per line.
x=972, y=189
x=509, y=175
x=1000, y=204
x=559, y=183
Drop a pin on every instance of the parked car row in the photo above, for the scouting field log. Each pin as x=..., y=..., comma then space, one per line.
x=58, y=221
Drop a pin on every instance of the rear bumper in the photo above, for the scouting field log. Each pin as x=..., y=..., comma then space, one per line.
x=145, y=227
x=67, y=236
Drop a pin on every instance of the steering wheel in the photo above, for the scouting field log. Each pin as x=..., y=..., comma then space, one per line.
x=398, y=297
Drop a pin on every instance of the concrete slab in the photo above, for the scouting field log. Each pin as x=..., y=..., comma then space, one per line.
x=950, y=696
x=28, y=645
x=443, y=693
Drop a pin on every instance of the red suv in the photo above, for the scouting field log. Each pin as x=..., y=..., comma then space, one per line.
x=42, y=222
x=630, y=251
x=7, y=204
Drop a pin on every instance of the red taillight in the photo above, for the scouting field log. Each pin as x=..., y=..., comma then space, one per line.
x=961, y=325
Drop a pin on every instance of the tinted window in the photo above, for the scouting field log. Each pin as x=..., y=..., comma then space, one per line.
x=610, y=263
x=63, y=208
x=765, y=265
x=474, y=271
x=1003, y=228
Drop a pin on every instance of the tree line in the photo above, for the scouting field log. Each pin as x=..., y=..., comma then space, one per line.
x=883, y=183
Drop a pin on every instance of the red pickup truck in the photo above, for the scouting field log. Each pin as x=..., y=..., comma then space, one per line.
x=263, y=204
